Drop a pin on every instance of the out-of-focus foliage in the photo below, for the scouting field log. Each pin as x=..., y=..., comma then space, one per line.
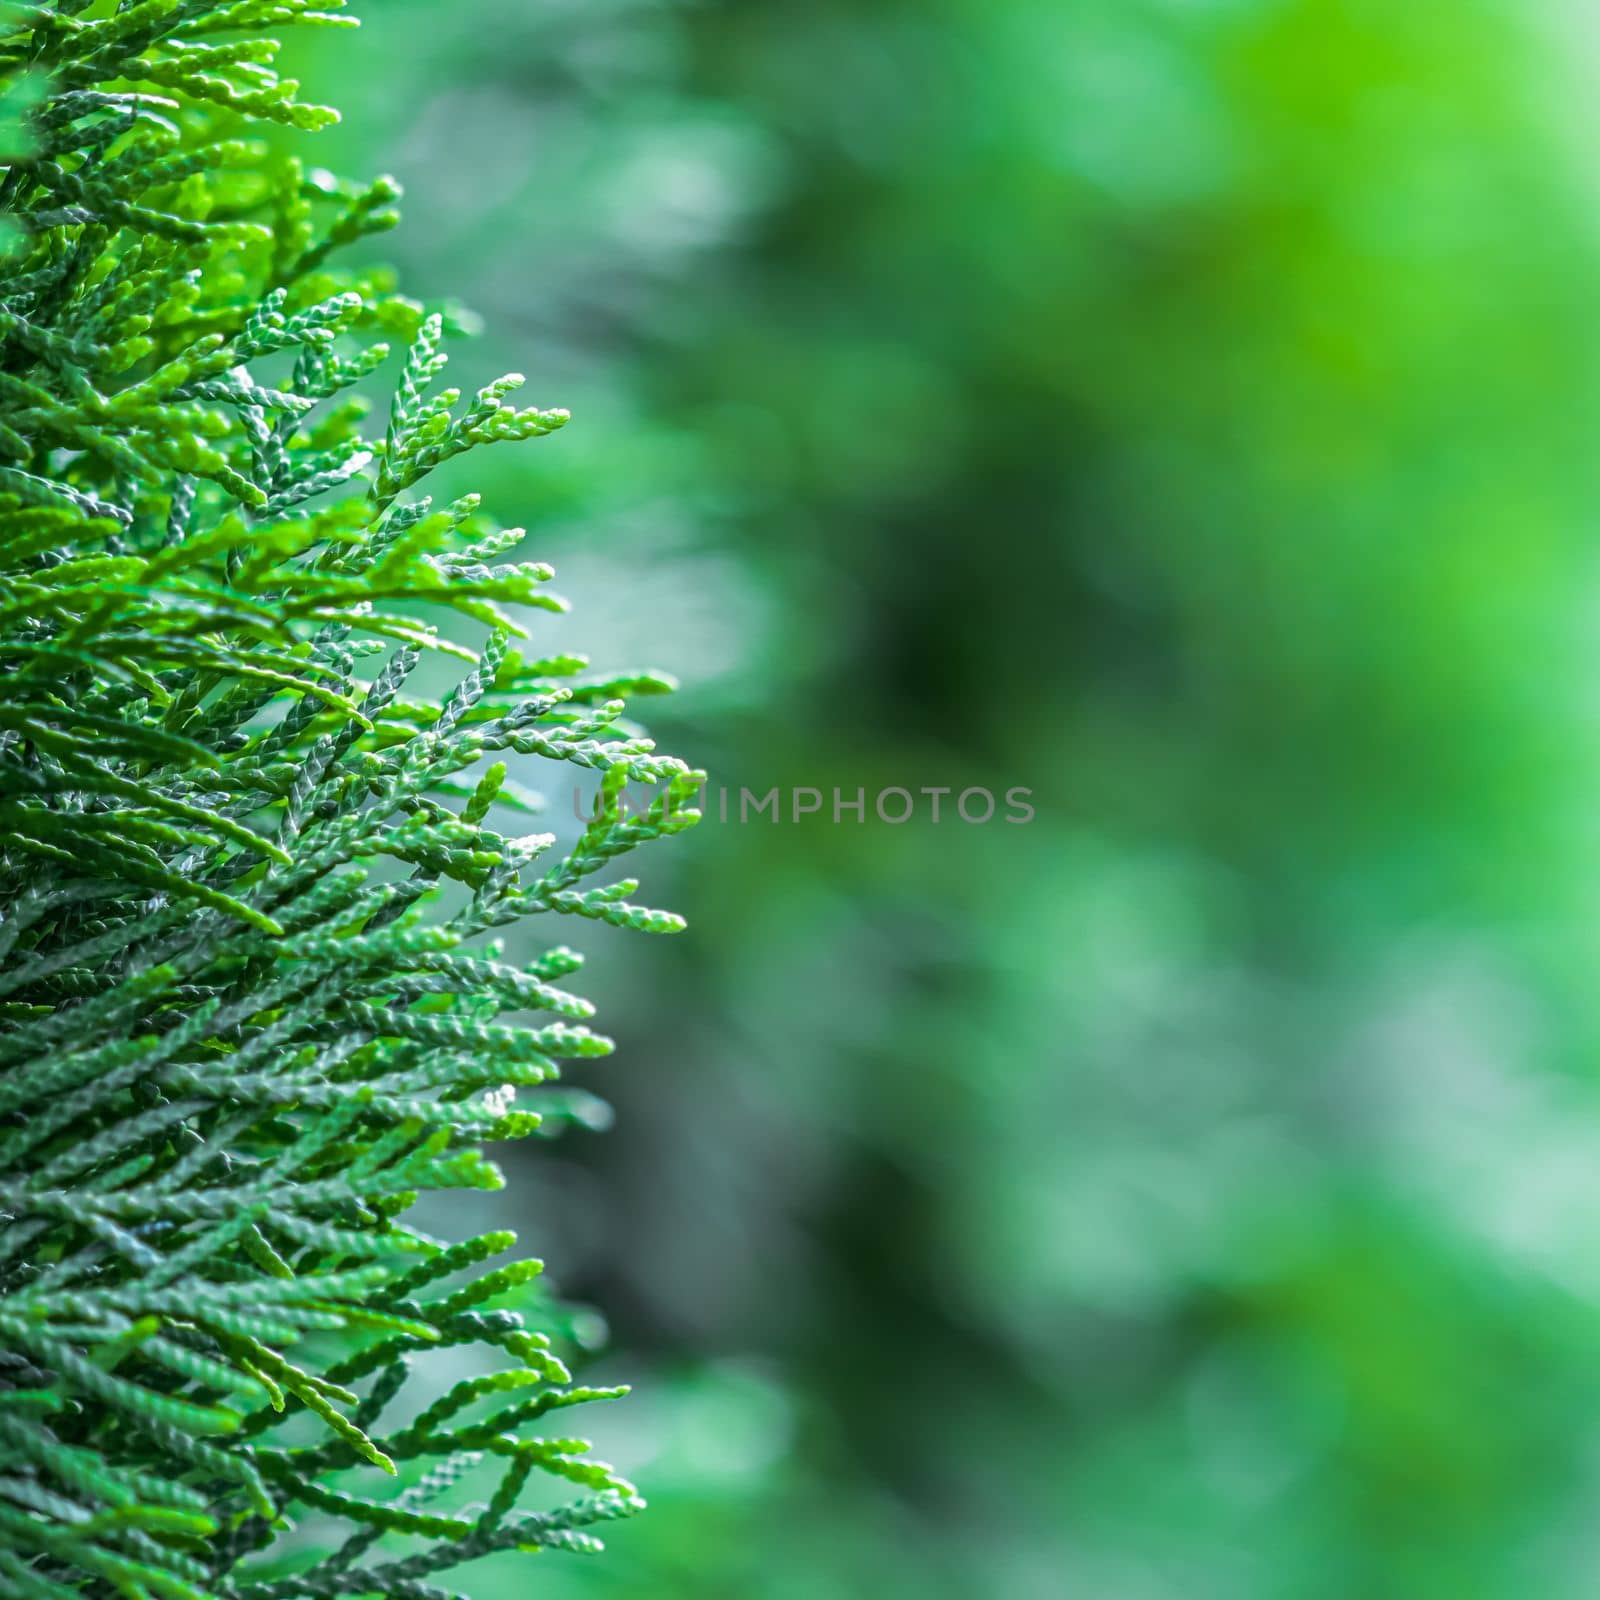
x=1184, y=410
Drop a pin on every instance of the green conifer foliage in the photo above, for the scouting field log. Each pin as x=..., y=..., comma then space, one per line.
x=252, y=1002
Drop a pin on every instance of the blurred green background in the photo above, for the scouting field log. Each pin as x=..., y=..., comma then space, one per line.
x=1186, y=409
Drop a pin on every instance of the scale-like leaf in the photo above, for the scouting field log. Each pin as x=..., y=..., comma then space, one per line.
x=239, y=1035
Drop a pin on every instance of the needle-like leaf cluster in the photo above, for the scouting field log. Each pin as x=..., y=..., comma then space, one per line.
x=253, y=1002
